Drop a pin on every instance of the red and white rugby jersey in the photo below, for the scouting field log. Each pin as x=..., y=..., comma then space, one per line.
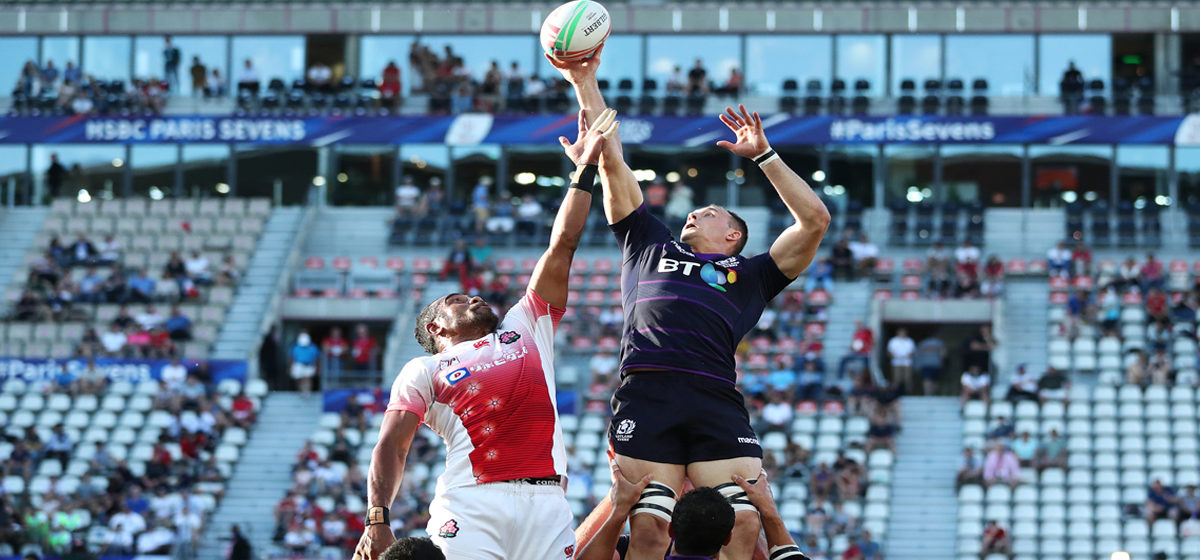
x=492, y=400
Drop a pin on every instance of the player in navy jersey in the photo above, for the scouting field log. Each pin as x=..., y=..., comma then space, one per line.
x=688, y=303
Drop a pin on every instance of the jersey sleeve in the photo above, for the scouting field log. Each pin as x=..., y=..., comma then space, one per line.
x=771, y=280
x=412, y=391
x=532, y=308
x=637, y=230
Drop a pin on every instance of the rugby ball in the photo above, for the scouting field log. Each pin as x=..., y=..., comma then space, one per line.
x=573, y=31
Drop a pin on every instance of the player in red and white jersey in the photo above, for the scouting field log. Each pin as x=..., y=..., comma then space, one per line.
x=488, y=389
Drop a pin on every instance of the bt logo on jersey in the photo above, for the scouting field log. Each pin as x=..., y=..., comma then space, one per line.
x=708, y=273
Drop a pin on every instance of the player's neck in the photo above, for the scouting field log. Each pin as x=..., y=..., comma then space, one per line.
x=704, y=249
x=452, y=341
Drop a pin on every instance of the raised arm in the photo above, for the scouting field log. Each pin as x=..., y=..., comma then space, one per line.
x=621, y=192
x=796, y=246
x=550, y=276
x=383, y=481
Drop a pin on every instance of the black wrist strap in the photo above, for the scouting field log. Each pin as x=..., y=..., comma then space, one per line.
x=586, y=178
x=378, y=516
x=787, y=552
x=764, y=157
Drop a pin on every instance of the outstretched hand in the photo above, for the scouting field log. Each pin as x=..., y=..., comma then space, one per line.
x=625, y=494
x=751, y=140
x=589, y=141
x=759, y=493
x=576, y=71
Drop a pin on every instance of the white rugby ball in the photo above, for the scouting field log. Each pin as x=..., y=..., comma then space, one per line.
x=574, y=30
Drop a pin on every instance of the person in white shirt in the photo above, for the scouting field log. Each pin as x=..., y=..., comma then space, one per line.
x=777, y=415
x=319, y=74
x=114, y=341
x=901, y=349
x=150, y=318
x=529, y=209
x=1024, y=385
x=164, y=505
x=109, y=250
x=976, y=384
x=123, y=528
x=248, y=78
x=188, y=525
x=603, y=365
x=197, y=268
x=1058, y=260
x=156, y=540
x=865, y=253
x=407, y=195
x=676, y=82
x=174, y=374
x=967, y=257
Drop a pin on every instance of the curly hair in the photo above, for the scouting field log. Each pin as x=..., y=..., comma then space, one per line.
x=412, y=548
x=425, y=317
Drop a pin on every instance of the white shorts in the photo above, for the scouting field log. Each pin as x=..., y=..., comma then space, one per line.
x=301, y=371
x=503, y=521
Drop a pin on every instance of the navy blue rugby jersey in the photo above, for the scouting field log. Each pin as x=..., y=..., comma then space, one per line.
x=687, y=311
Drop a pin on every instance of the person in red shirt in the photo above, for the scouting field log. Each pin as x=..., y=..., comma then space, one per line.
x=1156, y=305
x=995, y=539
x=390, y=88
x=243, y=410
x=160, y=344
x=1081, y=259
x=308, y=455
x=335, y=347
x=362, y=353
x=190, y=443
x=1152, y=274
x=861, y=346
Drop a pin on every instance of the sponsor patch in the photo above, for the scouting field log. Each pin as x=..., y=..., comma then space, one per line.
x=457, y=375
x=481, y=344
x=509, y=337
x=569, y=551
x=448, y=530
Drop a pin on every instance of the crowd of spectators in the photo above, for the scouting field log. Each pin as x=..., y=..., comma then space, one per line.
x=153, y=508
x=73, y=92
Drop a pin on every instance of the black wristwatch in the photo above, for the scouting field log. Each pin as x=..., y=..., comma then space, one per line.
x=378, y=516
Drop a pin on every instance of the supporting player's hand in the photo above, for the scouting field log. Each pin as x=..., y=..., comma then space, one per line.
x=759, y=494
x=625, y=494
x=751, y=140
x=374, y=541
x=577, y=71
x=590, y=140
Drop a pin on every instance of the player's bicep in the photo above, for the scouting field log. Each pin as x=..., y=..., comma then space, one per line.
x=795, y=248
x=397, y=432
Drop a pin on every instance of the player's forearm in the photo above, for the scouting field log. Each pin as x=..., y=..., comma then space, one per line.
x=622, y=195
x=803, y=204
x=385, y=474
x=571, y=219
x=587, y=93
x=604, y=542
x=775, y=531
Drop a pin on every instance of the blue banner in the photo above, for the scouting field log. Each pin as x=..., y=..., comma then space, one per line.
x=471, y=129
x=114, y=369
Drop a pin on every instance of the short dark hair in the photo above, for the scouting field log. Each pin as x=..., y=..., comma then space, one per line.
x=412, y=548
x=702, y=522
x=740, y=225
x=425, y=317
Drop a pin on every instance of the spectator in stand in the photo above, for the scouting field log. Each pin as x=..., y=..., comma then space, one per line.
x=867, y=547
x=1081, y=259
x=55, y=175
x=141, y=287
x=900, y=351
x=603, y=367
x=679, y=204
x=215, y=85
x=197, y=269
x=319, y=76
x=481, y=253
x=228, y=272
x=1026, y=449
x=1159, y=370
x=178, y=325
x=362, y=350
x=732, y=86
x=978, y=349
x=810, y=382
x=530, y=209
x=865, y=254
x=123, y=530
x=304, y=362
x=881, y=433
x=975, y=385
x=820, y=276
x=966, y=258
x=481, y=206
x=433, y=201
x=861, y=346
x=1053, y=385
x=1052, y=453
x=535, y=92
x=1127, y=275
x=996, y=540
x=114, y=342
x=89, y=287
x=334, y=349
x=150, y=318
x=242, y=410
x=1024, y=386
x=389, y=86
x=20, y=461
x=928, y=359
x=1070, y=89
x=1058, y=260
x=407, y=195
x=459, y=261
x=1161, y=503
x=656, y=199
x=1156, y=305
x=171, y=60
x=937, y=261
x=970, y=468
x=993, y=278
x=248, y=79
x=82, y=251
x=199, y=73
x=109, y=250
x=1001, y=466
x=1151, y=276
x=697, y=84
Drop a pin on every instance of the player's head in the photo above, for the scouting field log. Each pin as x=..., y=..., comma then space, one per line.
x=714, y=229
x=702, y=522
x=454, y=317
x=412, y=548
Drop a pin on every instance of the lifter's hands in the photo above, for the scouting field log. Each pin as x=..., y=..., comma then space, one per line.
x=751, y=140
x=759, y=494
x=625, y=494
x=590, y=141
x=374, y=541
x=577, y=71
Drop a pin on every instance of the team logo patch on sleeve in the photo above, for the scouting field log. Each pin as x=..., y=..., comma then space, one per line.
x=509, y=337
x=457, y=375
x=448, y=530
x=569, y=551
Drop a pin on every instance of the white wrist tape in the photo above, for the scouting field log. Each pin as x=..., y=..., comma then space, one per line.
x=765, y=157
